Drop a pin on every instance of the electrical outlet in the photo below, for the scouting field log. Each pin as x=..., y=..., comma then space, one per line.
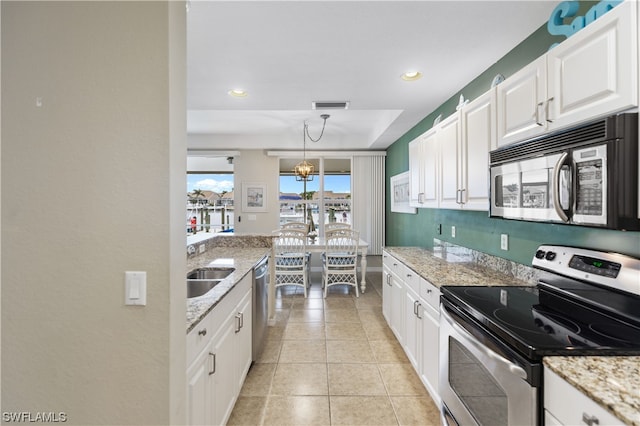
x=504, y=242
x=453, y=232
x=201, y=248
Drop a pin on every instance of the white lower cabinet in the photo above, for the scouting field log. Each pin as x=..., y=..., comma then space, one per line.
x=412, y=327
x=566, y=405
x=216, y=373
x=430, y=349
x=411, y=308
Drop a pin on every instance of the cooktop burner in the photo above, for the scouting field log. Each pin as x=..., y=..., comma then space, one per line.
x=537, y=328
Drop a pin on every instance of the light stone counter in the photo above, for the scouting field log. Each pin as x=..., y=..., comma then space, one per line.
x=612, y=382
x=453, y=265
x=241, y=258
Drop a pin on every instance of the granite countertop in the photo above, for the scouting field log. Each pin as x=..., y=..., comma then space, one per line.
x=444, y=266
x=612, y=382
x=241, y=258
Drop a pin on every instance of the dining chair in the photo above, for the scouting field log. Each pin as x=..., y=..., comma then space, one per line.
x=340, y=260
x=296, y=225
x=333, y=227
x=291, y=261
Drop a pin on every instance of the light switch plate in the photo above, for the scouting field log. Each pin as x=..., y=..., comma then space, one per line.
x=453, y=232
x=135, y=288
x=504, y=242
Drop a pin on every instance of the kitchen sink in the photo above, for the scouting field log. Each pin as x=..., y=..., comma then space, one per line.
x=201, y=280
x=209, y=273
x=197, y=288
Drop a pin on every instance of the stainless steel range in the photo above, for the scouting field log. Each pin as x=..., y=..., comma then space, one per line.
x=493, y=339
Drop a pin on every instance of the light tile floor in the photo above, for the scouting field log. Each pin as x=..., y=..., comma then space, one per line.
x=333, y=361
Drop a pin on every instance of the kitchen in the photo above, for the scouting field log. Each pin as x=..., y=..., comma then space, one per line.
x=93, y=238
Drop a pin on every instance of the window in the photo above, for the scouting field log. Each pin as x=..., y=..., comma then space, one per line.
x=209, y=202
x=325, y=198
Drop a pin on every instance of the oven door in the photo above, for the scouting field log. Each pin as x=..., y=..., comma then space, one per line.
x=483, y=382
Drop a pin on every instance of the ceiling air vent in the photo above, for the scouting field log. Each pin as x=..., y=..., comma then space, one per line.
x=330, y=105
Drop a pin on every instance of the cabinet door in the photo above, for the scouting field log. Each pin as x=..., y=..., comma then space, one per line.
x=224, y=376
x=430, y=353
x=430, y=165
x=521, y=100
x=478, y=138
x=244, y=338
x=595, y=71
x=397, y=308
x=386, y=294
x=199, y=390
x=449, y=148
x=412, y=326
x=416, y=172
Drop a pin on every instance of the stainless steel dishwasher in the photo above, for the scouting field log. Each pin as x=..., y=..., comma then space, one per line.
x=260, y=309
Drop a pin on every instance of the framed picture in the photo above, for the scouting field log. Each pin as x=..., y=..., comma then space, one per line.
x=254, y=197
x=400, y=194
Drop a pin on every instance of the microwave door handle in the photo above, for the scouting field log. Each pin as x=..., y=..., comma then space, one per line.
x=556, y=187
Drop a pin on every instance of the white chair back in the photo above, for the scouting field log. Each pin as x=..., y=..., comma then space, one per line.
x=291, y=260
x=340, y=259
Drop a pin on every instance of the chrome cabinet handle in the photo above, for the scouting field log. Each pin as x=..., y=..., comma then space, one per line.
x=546, y=110
x=212, y=370
x=538, y=122
x=590, y=420
x=238, y=327
x=418, y=310
x=415, y=308
x=202, y=332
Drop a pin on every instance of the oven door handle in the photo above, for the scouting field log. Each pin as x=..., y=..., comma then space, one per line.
x=470, y=340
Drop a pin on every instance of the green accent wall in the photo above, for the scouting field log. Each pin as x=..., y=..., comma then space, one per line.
x=477, y=230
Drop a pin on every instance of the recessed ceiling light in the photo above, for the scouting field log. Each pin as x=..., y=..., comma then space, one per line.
x=411, y=76
x=238, y=93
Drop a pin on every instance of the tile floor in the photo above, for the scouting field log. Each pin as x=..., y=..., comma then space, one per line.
x=333, y=361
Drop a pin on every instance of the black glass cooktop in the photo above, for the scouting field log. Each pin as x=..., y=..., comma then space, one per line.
x=540, y=321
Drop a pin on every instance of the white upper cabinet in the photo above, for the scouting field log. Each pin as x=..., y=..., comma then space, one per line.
x=478, y=138
x=465, y=140
x=520, y=98
x=593, y=73
x=448, y=136
x=423, y=172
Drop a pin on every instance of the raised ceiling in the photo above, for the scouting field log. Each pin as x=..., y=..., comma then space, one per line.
x=287, y=54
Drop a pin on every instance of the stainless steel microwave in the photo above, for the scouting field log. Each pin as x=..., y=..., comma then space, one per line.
x=587, y=176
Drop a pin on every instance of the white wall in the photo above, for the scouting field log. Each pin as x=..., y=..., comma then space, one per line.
x=257, y=167
x=93, y=185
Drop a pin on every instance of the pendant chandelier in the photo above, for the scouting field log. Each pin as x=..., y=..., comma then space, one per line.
x=304, y=170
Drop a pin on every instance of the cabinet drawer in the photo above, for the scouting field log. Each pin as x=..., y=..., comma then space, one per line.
x=569, y=406
x=395, y=266
x=430, y=293
x=199, y=337
x=411, y=279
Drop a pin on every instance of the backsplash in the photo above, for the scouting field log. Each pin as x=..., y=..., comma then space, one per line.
x=449, y=251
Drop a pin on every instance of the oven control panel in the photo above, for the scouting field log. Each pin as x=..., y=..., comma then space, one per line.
x=604, y=268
